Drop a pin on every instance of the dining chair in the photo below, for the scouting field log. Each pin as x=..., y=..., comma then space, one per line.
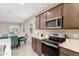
x=23, y=39
x=14, y=41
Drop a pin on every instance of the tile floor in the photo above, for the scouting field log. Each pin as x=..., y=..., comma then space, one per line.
x=24, y=50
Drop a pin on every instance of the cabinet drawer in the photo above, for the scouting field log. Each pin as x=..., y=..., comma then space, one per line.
x=68, y=52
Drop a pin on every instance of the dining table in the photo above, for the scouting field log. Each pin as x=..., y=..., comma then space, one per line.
x=20, y=36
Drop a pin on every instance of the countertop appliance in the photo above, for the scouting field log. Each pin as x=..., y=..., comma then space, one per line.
x=50, y=46
x=56, y=22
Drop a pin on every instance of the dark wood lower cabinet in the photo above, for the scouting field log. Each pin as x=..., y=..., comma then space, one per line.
x=33, y=43
x=36, y=45
x=67, y=52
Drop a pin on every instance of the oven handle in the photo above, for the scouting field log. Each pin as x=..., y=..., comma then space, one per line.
x=50, y=44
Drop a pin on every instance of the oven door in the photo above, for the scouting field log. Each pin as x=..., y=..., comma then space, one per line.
x=49, y=49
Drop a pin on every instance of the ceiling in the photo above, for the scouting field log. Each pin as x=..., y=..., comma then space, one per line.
x=16, y=12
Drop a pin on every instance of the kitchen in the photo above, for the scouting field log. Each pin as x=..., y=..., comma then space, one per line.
x=46, y=27
x=53, y=31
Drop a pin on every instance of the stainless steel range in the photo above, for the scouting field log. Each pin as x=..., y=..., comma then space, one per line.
x=50, y=46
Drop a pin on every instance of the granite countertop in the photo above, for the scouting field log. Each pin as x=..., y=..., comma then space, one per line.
x=71, y=44
x=6, y=42
x=40, y=38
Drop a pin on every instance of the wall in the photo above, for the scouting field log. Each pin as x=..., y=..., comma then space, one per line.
x=4, y=27
x=27, y=25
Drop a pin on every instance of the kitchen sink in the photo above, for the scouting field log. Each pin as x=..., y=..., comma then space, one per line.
x=2, y=49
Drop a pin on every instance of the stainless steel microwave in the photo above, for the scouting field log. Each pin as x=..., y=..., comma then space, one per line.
x=54, y=23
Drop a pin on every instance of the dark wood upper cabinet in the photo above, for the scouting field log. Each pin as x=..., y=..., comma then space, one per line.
x=54, y=12
x=50, y=14
x=71, y=15
x=42, y=20
x=58, y=10
x=69, y=11
x=37, y=22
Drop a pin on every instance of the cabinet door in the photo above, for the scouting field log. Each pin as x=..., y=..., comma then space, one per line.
x=71, y=15
x=33, y=43
x=38, y=46
x=55, y=12
x=42, y=20
x=67, y=52
x=50, y=14
x=58, y=10
x=37, y=22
